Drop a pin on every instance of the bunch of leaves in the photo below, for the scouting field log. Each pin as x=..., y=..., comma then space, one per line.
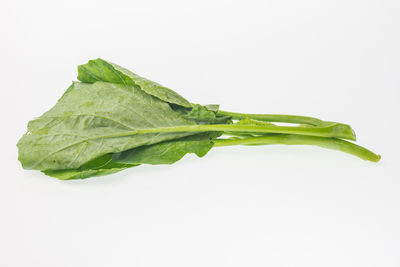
x=113, y=119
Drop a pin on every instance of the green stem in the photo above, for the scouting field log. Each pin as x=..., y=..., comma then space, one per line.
x=274, y=118
x=287, y=139
x=332, y=130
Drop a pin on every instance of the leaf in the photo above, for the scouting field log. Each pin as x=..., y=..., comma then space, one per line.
x=168, y=152
x=203, y=114
x=102, y=70
x=103, y=165
x=87, y=121
x=212, y=107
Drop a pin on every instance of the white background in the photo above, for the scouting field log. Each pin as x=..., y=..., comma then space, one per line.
x=238, y=206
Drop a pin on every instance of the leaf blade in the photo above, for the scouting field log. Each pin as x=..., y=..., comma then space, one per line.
x=168, y=152
x=101, y=166
x=102, y=70
x=78, y=128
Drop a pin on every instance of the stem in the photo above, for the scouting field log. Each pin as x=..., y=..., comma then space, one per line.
x=274, y=118
x=332, y=130
x=287, y=139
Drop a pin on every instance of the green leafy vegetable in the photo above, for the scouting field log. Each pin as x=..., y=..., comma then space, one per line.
x=114, y=119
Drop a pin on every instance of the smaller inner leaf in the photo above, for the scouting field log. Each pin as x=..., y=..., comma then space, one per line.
x=103, y=165
x=168, y=152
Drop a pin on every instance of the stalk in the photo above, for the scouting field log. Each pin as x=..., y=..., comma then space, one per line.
x=274, y=118
x=332, y=130
x=288, y=139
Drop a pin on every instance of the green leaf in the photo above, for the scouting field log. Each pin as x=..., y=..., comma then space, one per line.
x=203, y=114
x=103, y=165
x=214, y=108
x=102, y=70
x=91, y=120
x=168, y=152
